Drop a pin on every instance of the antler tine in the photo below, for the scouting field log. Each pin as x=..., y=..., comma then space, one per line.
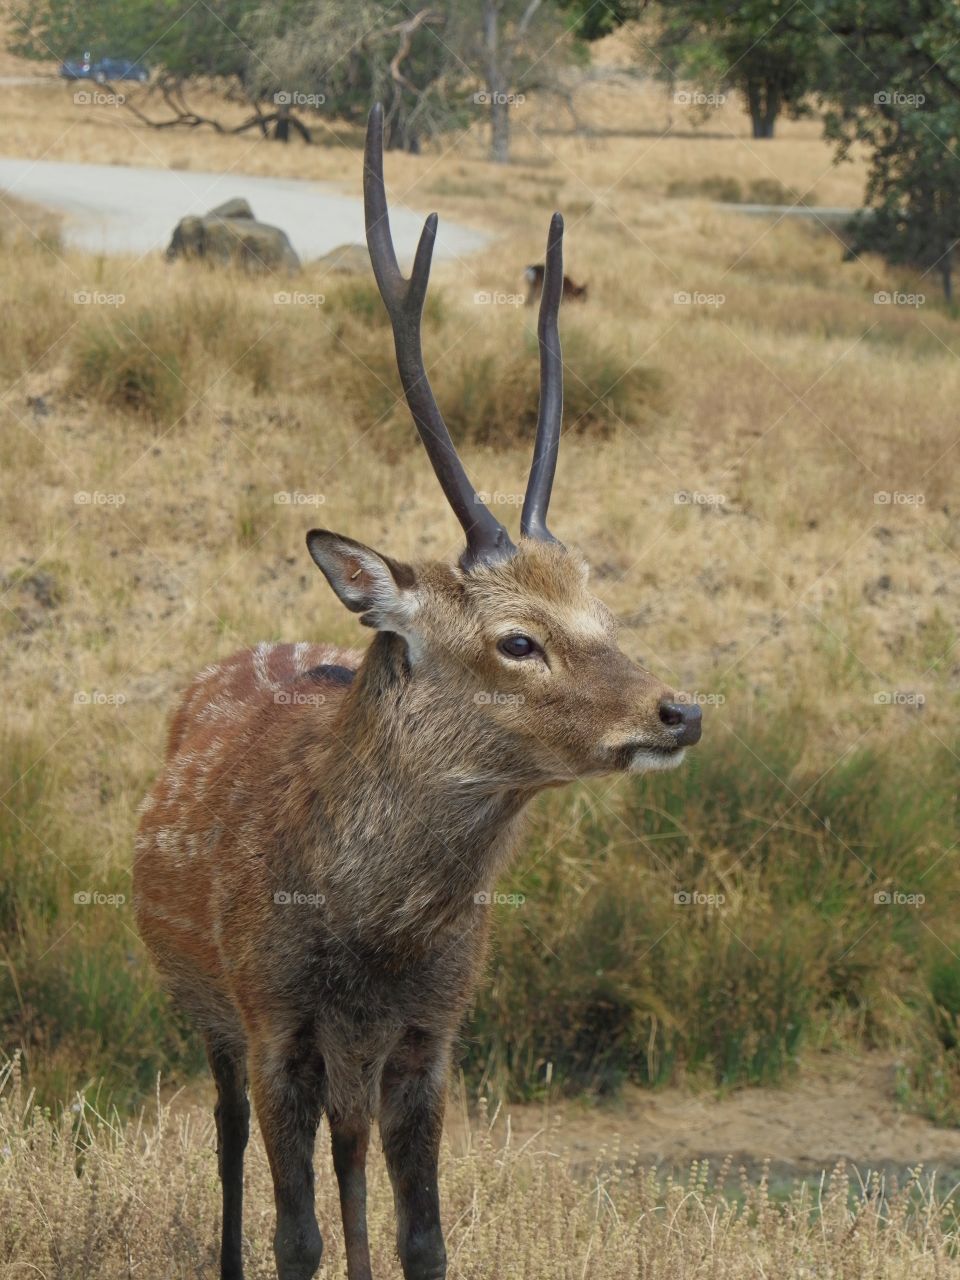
x=487, y=539
x=533, y=518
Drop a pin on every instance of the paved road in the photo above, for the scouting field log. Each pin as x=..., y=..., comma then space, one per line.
x=823, y=213
x=113, y=209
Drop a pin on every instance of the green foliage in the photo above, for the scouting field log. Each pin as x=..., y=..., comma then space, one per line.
x=895, y=88
x=773, y=55
x=76, y=992
x=131, y=365
x=787, y=921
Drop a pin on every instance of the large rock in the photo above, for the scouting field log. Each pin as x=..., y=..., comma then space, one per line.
x=347, y=260
x=231, y=235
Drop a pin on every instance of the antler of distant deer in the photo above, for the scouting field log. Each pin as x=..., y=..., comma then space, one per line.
x=487, y=539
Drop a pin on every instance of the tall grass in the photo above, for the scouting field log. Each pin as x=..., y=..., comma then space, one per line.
x=712, y=922
x=84, y=1195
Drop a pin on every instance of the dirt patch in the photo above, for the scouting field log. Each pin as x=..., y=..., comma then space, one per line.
x=836, y=1109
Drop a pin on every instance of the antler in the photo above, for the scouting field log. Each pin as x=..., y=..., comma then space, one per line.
x=533, y=518
x=487, y=539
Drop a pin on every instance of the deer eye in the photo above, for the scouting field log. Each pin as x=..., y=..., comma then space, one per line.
x=518, y=646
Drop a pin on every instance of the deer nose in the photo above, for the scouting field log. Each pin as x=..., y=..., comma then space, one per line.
x=685, y=719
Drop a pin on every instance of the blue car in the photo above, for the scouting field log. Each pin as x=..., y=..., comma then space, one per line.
x=103, y=70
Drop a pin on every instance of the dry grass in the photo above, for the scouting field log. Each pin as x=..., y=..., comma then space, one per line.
x=85, y=1195
x=782, y=587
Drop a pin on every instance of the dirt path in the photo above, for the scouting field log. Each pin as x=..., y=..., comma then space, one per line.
x=116, y=209
x=836, y=1109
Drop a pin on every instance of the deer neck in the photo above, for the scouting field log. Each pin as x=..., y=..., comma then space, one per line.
x=420, y=809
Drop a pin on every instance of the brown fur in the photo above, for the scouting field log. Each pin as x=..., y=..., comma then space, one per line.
x=386, y=788
x=534, y=277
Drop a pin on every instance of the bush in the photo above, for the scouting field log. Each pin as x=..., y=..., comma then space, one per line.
x=702, y=925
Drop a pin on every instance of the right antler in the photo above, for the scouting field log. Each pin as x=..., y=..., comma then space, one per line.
x=487, y=539
x=533, y=517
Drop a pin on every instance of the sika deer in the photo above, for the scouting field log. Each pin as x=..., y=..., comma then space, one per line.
x=312, y=864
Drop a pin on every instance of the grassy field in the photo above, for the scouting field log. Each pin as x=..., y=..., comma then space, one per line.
x=764, y=479
x=147, y=1203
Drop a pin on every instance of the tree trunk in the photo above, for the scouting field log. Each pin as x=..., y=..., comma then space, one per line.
x=281, y=130
x=496, y=85
x=763, y=101
x=946, y=274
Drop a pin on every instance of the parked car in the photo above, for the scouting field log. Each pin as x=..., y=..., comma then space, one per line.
x=103, y=70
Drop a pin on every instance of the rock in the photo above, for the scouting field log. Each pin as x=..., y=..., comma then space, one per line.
x=347, y=260
x=231, y=235
x=235, y=208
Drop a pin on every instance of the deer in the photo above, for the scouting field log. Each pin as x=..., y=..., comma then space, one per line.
x=313, y=862
x=534, y=276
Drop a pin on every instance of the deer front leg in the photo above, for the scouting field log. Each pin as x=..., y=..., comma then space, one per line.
x=349, y=1139
x=287, y=1097
x=411, y=1121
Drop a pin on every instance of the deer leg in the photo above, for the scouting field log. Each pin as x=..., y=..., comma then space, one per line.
x=349, y=1141
x=232, y=1115
x=287, y=1097
x=411, y=1120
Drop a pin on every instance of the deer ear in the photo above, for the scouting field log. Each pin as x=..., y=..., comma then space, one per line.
x=378, y=588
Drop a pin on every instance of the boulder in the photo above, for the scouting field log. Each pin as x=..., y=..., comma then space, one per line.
x=346, y=260
x=231, y=235
x=235, y=208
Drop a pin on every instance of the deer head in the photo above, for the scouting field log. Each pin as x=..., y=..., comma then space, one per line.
x=506, y=651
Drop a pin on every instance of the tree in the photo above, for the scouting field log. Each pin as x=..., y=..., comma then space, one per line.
x=517, y=44
x=895, y=88
x=770, y=52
